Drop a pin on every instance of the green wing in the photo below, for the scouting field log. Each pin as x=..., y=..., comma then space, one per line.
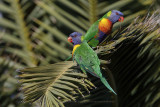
x=87, y=59
x=92, y=32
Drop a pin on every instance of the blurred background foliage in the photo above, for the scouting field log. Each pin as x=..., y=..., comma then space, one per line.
x=34, y=33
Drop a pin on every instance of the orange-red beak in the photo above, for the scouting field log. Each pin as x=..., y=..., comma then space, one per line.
x=70, y=39
x=121, y=19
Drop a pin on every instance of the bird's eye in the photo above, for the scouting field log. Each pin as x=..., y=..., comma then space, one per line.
x=117, y=13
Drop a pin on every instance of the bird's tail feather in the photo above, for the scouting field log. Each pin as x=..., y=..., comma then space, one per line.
x=104, y=81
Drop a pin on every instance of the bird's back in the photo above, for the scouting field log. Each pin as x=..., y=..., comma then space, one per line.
x=87, y=58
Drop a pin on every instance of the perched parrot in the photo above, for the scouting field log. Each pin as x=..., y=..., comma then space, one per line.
x=86, y=58
x=102, y=27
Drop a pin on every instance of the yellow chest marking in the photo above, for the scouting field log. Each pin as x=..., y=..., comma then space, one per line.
x=74, y=48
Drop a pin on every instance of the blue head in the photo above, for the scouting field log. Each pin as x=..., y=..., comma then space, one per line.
x=75, y=38
x=115, y=16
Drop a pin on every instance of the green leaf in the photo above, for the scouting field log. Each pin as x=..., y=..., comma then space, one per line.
x=52, y=84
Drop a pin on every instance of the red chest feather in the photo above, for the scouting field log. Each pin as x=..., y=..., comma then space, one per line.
x=105, y=25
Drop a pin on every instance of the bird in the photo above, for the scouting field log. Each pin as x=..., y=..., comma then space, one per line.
x=86, y=58
x=102, y=27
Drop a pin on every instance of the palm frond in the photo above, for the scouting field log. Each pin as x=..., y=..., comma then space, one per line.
x=23, y=31
x=30, y=35
x=135, y=64
x=100, y=96
x=58, y=16
x=53, y=84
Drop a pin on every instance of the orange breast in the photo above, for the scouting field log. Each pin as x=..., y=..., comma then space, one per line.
x=105, y=25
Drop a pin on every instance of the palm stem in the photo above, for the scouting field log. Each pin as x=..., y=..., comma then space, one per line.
x=93, y=10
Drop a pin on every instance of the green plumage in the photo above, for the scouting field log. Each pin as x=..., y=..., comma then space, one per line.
x=89, y=61
x=102, y=27
x=92, y=32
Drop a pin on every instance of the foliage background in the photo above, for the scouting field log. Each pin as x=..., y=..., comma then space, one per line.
x=34, y=32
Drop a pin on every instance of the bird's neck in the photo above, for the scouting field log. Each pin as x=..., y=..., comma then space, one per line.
x=113, y=21
x=74, y=48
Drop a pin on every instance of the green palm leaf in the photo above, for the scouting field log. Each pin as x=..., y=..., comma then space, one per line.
x=135, y=64
x=53, y=84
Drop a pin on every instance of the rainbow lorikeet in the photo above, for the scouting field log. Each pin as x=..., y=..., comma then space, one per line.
x=87, y=58
x=102, y=27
